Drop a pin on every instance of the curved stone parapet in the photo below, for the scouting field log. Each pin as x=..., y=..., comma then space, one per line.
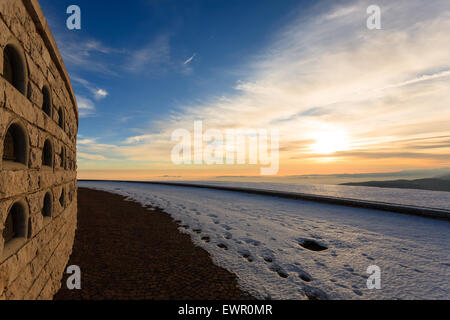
x=38, y=129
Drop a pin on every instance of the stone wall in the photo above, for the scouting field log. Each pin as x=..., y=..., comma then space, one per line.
x=38, y=124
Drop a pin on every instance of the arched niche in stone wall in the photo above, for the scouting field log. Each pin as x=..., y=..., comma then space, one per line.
x=47, y=154
x=47, y=206
x=15, y=69
x=15, y=146
x=15, y=229
x=47, y=101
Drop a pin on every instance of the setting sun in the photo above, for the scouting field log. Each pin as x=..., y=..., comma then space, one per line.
x=330, y=141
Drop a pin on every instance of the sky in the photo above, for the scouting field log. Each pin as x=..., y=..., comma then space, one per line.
x=338, y=97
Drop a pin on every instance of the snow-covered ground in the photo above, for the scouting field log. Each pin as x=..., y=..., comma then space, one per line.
x=409, y=197
x=260, y=239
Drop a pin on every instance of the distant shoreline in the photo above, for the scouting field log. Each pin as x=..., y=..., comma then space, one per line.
x=431, y=184
x=365, y=204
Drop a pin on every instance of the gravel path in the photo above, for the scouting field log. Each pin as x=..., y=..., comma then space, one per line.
x=126, y=252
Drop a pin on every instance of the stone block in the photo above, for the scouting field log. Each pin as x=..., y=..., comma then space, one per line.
x=34, y=268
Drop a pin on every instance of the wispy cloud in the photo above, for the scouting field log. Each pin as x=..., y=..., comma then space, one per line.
x=137, y=139
x=97, y=93
x=329, y=71
x=86, y=107
x=86, y=54
x=93, y=45
x=186, y=67
x=153, y=57
x=90, y=149
x=190, y=59
x=91, y=156
x=86, y=141
x=100, y=94
x=92, y=55
x=425, y=77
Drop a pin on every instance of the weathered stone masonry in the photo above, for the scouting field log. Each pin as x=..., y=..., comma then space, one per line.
x=38, y=127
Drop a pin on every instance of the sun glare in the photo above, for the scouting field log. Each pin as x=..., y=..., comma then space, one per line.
x=330, y=141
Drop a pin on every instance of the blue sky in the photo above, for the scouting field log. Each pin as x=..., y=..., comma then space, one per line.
x=345, y=98
x=139, y=54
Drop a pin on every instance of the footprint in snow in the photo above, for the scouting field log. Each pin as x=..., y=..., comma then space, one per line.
x=279, y=270
x=348, y=268
x=253, y=242
x=357, y=292
x=222, y=246
x=301, y=273
x=311, y=245
x=246, y=255
x=315, y=294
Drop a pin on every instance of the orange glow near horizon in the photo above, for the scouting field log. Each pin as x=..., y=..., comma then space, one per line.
x=343, y=98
